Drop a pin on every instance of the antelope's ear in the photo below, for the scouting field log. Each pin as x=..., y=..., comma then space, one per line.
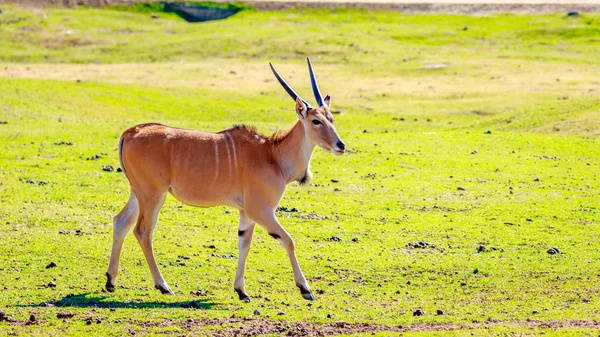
x=327, y=101
x=301, y=108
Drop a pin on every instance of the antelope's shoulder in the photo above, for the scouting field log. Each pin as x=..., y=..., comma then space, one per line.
x=243, y=131
x=249, y=134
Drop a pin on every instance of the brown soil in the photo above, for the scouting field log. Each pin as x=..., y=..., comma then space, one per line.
x=253, y=327
x=425, y=7
x=472, y=8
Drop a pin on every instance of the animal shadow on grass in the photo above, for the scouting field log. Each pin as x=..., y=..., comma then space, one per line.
x=87, y=300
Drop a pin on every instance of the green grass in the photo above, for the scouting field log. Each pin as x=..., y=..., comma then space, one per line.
x=416, y=136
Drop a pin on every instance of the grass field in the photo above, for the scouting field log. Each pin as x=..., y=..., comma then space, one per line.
x=459, y=180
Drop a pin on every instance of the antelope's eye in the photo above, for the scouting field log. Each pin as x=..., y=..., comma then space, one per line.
x=316, y=122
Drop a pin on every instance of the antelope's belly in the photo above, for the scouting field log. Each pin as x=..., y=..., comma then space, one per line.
x=202, y=196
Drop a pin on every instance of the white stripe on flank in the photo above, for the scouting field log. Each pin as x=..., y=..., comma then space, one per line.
x=228, y=154
x=234, y=154
x=216, y=159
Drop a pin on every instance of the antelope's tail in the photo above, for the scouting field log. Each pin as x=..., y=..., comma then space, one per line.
x=121, y=154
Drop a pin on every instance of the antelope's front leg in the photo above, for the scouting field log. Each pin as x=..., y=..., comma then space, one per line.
x=268, y=220
x=245, y=231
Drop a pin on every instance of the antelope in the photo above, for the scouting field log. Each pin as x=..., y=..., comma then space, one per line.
x=236, y=167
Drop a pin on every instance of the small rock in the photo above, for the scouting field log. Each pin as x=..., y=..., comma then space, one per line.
x=108, y=168
x=88, y=322
x=420, y=245
x=335, y=181
x=536, y=179
x=198, y=293
x=51, y=285
x=439, y=312
x=209, y=246
x=257, y=312
x=94, y=157
x=329, y=315
x=553, y=251
x=340, y=324
x=460, y=188
x=481, y=248
x=334, y=238
x=281, y=313
x=98, y=321
x=51, y=265
x=32, y=318
x=488, y=132
x=285, y=209
x=418, y=312
x=355, y=240
x=474, y=152
x=574, y=13
x=63, y=143
x=535, y=312
x=119, y=169
x=64, y=314
x=3, y=122
x=154, y=16
x=365, y=131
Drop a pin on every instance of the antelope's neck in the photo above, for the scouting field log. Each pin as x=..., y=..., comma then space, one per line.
x=293, y=153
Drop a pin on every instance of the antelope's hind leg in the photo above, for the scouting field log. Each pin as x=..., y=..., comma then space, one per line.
x=245, y=231
x=144, y=230
x=122, y=223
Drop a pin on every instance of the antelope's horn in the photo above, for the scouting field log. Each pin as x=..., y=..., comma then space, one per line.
x=286, y=86
x=315, y=85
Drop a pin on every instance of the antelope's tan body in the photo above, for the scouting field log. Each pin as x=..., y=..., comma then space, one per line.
x=236, y=167
x=208, y=169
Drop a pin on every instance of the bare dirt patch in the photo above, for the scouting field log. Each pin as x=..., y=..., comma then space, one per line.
x=252, y=326
x=406, y=6
x=474, y=7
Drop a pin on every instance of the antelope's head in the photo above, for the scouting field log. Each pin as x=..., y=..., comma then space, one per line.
x=318, y=122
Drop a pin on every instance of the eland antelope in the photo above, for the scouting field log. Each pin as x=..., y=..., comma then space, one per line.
x=237, y=167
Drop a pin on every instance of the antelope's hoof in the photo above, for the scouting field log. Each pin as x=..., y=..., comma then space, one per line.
x=308, y=296
x=306, y=293
x=109, y=286
x=243, y=296
x=164, y=289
